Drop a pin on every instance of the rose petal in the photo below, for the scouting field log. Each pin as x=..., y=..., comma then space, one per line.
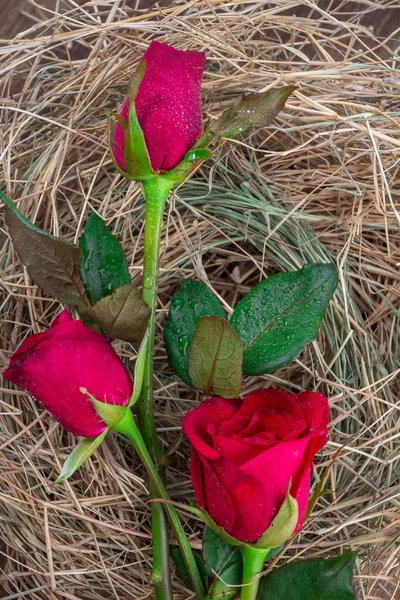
x=119, y=137
x=279, y=465
x=214, y=497
x=235, y=425
x=235, y=449
x=315, y=409
x=281, y=402
x=168, y=105
x=253, y=426
x=273, y=422
x=31, y=342
x=262, y=440
x=63, y=317
x=53, y=366
x=196, y=472
x=250, y=463
x=302, y=497
x=197, y=422
x=248, y=497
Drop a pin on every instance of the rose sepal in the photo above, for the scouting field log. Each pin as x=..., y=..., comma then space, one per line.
x=139, y=369
x=80, y=453
x=110, y=135
x=278, y=532
x=136, y=156
x=137, y=159
x=283, y=526
x=111, y=414
x=191, y=161
x=135, y=81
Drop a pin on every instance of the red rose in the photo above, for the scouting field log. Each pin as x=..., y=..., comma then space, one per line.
x=53, y=366
x=168, y=106
x=245, y=453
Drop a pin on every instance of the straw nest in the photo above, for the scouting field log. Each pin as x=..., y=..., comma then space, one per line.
x=318, y=184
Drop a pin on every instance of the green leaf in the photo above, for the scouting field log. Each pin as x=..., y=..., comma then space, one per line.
x=83, y=450
x=255, y=110
x=52, y=264
x=123, y=314
x=226, y=587
x=217, y=553
x=224, y=565
x=103, y=266
x=282, y=314
x=139, y=369
x=273, y=552
x=311, y=579
x=193, y=301
x=182, y=569
x=282, y=526
x=215, y=358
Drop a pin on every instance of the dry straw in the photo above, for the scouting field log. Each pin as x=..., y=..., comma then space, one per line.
x=320, y=184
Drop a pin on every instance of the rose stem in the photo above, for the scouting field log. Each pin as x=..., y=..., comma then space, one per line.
x=128, y=427
x=155, y=197
x=156, y=192
x=253, y=560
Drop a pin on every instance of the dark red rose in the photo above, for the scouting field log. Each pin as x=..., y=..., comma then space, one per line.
x=245, y=453
x=52, y=366
x=168, y=106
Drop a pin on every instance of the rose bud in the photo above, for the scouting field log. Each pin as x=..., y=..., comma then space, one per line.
x=245, y=454
x=54, y=365
x=168, y=109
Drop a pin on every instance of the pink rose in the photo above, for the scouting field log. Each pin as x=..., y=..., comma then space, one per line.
x=54, y=365
x=168, y=106
x=245, y=453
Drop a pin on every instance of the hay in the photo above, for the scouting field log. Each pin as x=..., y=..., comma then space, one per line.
x=319, y=184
